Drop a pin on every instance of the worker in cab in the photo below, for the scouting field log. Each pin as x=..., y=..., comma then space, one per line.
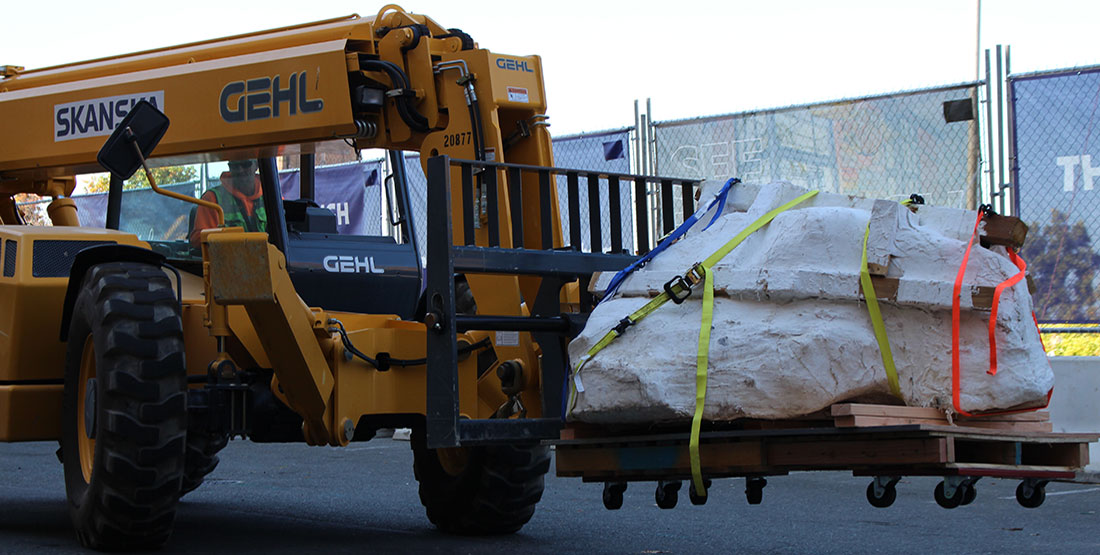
x=239, y=195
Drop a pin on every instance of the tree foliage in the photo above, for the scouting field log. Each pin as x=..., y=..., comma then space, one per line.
x=1063, y=264
x=33, y=208
x=164, y=176
x=1072, y=344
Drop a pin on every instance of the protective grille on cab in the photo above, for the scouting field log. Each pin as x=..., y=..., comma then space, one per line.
x=53, y=258
x=10, y=249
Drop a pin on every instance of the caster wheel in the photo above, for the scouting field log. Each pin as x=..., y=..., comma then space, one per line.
x=754, y=490
x=889, y=495
x=613, y=495
x=699, y=499
x=949, y=502
x=1030, y=496
x=667, y=494
x=969, y=495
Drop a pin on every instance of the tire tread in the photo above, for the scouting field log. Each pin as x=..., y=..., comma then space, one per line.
x=131, y=312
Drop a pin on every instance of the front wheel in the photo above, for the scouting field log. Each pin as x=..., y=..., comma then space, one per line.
x=202, y=457
x=125, y=408
x=480, y=490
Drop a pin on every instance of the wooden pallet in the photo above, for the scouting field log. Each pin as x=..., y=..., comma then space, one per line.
x=865, y=439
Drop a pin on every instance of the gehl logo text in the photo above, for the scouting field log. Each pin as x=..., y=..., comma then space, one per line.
x=266, y=97
x=351, y=265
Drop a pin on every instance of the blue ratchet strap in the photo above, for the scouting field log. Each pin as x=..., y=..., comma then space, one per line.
x=671, y=238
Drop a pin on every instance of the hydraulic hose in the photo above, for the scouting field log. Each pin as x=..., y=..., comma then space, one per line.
x=401, y=93
x=475, y=128
x=466, y=81
x=383, y=361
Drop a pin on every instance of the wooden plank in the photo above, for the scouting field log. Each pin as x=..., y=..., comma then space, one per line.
x=1007, y=434
x=597, y=286
x=1030, y=416
x=860, y=409
x=1075, y=455
x=1012, y=471
x=1003, y=230
x=581, y=430
x=885, y=288
x=787, y=424
x=840, y=454
x=977, y=469
x=667, y=459
x=881, y=231
x=986, y=452
x=981, y=297
x=869, y=421
x=601, y=436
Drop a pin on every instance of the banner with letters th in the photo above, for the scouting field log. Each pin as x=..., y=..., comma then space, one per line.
x=352, y=191
x=1055, y=139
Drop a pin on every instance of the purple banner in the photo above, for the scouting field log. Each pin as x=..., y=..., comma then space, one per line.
x=351, y=191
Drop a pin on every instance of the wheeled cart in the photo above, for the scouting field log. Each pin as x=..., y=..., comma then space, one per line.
x=962, y=453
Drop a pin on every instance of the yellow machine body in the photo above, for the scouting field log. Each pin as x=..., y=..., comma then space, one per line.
x=32, y=291
x=261, y=95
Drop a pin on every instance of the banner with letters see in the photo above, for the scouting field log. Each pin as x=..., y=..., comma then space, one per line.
x=886, y=146
x=1056, y=141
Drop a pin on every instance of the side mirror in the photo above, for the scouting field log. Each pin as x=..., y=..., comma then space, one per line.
x=144, y=126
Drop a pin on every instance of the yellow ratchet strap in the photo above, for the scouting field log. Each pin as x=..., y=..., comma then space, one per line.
x=676, y=286
x=876, y=319
x=703, y=354
x=701, y=361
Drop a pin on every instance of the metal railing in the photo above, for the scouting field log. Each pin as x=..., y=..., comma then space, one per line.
x=519, y=254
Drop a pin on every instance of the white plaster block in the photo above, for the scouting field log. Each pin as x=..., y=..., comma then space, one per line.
x=791, y=333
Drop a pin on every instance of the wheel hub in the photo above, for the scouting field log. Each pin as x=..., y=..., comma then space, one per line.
x=453, y=460
x=86, y=412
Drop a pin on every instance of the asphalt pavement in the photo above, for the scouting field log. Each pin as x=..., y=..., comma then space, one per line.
x=300, y=499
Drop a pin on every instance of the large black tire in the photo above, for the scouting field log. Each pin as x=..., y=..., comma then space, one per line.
x=464, y=298
x=202, y=458
x=480, y=490
x=123, y=486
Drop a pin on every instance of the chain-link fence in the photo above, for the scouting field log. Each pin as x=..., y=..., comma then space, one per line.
x=605, y=151
x=1054, y=141
x=889, y=146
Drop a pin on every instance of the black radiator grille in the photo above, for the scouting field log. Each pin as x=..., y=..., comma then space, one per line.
x=53, y=258
x=10, y=250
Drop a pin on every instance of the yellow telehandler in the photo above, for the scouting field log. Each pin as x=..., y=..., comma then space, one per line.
x=143, y=350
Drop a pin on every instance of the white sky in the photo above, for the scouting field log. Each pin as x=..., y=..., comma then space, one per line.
x=692, y=58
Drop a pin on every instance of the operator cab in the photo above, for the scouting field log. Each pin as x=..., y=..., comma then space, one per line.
x=327, y=220
x=355, y=272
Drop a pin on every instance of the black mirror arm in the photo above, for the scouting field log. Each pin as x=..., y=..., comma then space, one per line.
x=128, y=135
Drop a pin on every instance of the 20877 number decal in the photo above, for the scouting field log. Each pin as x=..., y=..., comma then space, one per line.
x=457, y=139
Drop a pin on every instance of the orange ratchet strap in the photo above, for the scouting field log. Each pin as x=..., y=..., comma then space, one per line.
x=1019, y=262
x=955, y=374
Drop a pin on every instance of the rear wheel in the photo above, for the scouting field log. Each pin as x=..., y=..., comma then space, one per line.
x=125, y=408
x=480, y=490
